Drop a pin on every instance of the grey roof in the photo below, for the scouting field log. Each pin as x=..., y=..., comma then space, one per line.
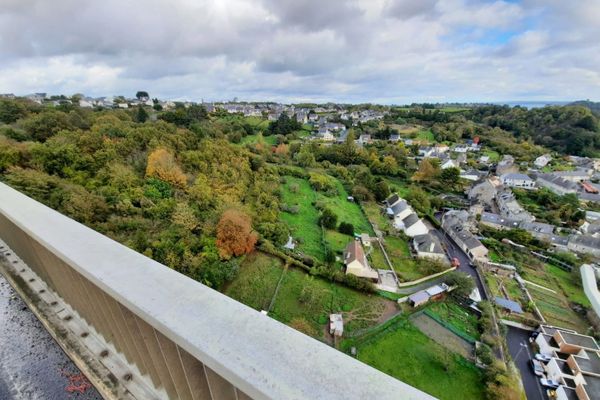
x=496, y=219
x=558, y=181
x=510, y=305
x=537, y=227
x=585, y=240
x=398, y=207
x=392, y=199
x=424, y=242
x=419, y=297
x=410, y=220
x=516, y=176
x=577, y=173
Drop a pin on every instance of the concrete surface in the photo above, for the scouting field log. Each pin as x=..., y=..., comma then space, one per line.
x=32, y=364
x=521, y=352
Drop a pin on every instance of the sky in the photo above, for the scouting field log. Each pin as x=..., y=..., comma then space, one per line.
x=379, y=51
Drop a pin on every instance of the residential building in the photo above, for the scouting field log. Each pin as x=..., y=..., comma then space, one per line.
x=516, y=180
x=450, y=163
x=556, y=184
x=472, y=175
x=578, y=175
x=429, y=246
x=538, y=230
x=356, y=262
x=483, y=193
x=510, y=208
x=506, y=165
x=574, y=364
x=411, y=225
x=364, y=139
x=542, y=161
x=497, y=221
x=509, y=305
x=454, y=227
x=584, y=244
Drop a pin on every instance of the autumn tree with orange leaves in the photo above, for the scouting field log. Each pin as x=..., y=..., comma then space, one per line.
x=235, y=235
x=162, y=165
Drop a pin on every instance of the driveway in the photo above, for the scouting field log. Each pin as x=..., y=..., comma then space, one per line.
x=520, y=351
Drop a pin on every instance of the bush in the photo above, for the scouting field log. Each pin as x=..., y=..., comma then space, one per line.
x=346, y=228
x=328, y=218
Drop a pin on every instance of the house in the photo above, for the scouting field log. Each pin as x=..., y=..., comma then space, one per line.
x=483, y=193
x=506, y=165
x=584, y=244
x=556, y=184
x=429, y=246
x=302, y=117
x=542, y=161
x=399, y=210
x=336, y=325
x=454, y=227
x=364, y=139
x=472, y=175
x=484, y=160
x=579, y=175
x=394, y=138
x=574, y=361
x=510, y=208
x=517, y=180
x=498, y=222
x=356, y=262
x=411, y=225
x=426, y=151
x=538, y=230
x=390, y=201
x=449, y=163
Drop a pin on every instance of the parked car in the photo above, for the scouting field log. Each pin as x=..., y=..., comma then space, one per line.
x=455, y=262
x=542, y=357
x=549, y=383
x=538, y=367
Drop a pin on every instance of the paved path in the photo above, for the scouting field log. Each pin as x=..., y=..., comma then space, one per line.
x=521, y=353
x=32, y=364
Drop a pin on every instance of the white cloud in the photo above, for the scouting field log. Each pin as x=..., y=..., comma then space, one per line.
x=355, y=50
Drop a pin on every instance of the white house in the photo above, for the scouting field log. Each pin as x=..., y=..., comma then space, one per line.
x=411, y=225
x=517, y=180
x=429, y=246
x=542, y=161
x=449, y=163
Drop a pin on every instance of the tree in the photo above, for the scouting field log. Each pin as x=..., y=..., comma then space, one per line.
x=141, y=116
x=162, y=165
x=235, y=235
x=426, y=172
x=381, y=190
x=184, y=216
x=463, y=283
x=142, y=95
x=328, y=218
x=346, y=228
x=450, y=175
x=11, y=111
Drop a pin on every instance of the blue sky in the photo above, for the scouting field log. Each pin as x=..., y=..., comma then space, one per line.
x=385, y=51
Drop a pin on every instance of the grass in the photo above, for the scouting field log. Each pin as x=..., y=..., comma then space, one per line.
x=425, y=135
x=256, y=282
x=373, y=211
x=453, y=314
x=376, y=257
x=346, y=211
x=313, y=299
x=556, y=310
x=404, y=352
x=304, y=225
x=259, y=138
x=493, y=155
x=337, y=241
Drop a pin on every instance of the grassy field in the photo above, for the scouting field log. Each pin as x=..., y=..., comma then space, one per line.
x=259, y=138
x=304, y=225
x=373, y=211
x=376, y=258
x=453, y=314
x=313, y=299
x=255, y=284
x=557, y=279
x=493, y=155
x=346, y=211
x=337, y=241
x=425, y=135
x=404, y=352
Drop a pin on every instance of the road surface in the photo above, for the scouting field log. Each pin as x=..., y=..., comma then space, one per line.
x=521, y=352
x=32, y=364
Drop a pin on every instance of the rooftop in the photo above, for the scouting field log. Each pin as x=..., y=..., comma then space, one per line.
x=587, y=342
x=510, y=305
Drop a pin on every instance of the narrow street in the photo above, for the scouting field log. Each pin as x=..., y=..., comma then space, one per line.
x=32, y=364
x=521, y=353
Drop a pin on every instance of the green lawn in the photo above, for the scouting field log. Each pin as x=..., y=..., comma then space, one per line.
x=493, y=155
x=453, y=314
x=259, y=138
x=373, y=211
x=376, y=258
x=304, y=225
x=255, y=284
x=337, y=241
x=426, y=135
x=404, y=352
x=313, y=299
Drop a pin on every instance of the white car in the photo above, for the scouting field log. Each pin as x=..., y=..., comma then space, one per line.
x=549, y=383
x=538, y=367
x=543, y=358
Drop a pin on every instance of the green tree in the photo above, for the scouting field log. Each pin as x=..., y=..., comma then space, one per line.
x=346, y=228
x=328, y=218
x=463, y=283
x=141, y=116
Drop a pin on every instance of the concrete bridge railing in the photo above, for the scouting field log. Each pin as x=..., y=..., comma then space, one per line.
x=178, y=338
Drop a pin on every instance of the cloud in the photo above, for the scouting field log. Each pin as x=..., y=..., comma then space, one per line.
x=289, y=50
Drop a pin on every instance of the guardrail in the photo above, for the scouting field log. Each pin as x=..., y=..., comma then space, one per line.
x=187, y=340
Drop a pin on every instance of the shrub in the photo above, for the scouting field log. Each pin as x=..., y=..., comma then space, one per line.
x=346, y=228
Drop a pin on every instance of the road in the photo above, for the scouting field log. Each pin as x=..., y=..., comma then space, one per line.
x=32, y=364
x=521, y=353
x=455, y=251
